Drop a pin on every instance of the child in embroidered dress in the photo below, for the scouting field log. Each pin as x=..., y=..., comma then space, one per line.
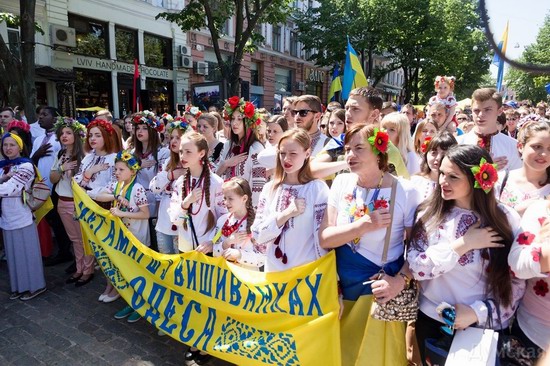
x=445, y=86
x=233, y=238
x=129, y=202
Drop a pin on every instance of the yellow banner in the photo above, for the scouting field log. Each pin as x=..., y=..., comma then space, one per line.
x=244, y=317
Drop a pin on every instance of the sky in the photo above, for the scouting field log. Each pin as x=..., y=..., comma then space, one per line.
x=526, y=18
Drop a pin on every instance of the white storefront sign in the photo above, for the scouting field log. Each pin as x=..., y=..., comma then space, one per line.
x=93, y=63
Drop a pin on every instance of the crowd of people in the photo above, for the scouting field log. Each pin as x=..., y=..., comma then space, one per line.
x=454, y=205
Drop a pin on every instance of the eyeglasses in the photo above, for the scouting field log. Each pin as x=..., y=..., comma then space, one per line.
x=462, y=119
x=302, y=112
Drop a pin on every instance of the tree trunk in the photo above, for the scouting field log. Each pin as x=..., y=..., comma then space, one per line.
x=27, y=58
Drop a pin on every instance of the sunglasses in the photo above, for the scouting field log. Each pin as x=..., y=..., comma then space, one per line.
x=301, y=112
x=462, y=119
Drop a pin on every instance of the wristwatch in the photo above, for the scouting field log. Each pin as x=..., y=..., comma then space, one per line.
x=408, y=280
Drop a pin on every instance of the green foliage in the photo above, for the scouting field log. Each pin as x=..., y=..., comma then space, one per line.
x=529, y=86
x=14, y=21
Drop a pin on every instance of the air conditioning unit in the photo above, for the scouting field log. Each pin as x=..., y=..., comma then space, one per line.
x=63, y=36
x=186, y=61
x=201, y=68
x=185, y=50
x=300, y=86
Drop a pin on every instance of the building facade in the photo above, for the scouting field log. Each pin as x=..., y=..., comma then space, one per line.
x=85, y=59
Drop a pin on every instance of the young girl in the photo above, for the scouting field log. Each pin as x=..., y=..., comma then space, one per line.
x=460, y=246
x=191, y=115
x=207, y=125
x=425, y=128
x=276, y=126
x=71, y=134
x=197, y=197
x=240, y=152
x=521, y=187
x=162, y=184
x=291, y=207
x=233, y=238
x=434, y=151
x=445, y=86
x=336, y=123
x=21, y=245
x=129, y=202
x=97, y=168
x=397, y=127
x=148, y=148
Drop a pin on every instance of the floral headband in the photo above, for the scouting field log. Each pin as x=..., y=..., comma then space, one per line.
x=179, y=123
x=77, y=127
x=445, y=79
x=194, y=111
x=19, y=124
x=379, y=142
x=485, y=174
x=107, y=126
x=127, y=157
x=148, y=118
x=424, y=146
x=251, y=117
x=168, y=117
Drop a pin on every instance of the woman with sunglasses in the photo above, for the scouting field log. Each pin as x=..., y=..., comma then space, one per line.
x=512, y=118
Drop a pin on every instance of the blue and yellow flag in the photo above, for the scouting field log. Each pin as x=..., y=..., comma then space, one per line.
x=243, y=317
x=336, y=84
x=354, y=76
x=498, y=61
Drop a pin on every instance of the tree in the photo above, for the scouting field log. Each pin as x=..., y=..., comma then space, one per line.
x=19, y=72
x=528, y=86
x=248, y=14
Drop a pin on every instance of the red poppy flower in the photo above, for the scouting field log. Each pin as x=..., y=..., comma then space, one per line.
x=234, y=102
x=526, y=238
x=379, y=141
x=424, y=146
x=249, y=110
x=258, y=122
x=536, y=253
x=541, y=288
x=485, y=174
x=380, y=204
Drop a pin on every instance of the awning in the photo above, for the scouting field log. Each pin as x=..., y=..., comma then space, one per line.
x=90, y=109
x=58, y=75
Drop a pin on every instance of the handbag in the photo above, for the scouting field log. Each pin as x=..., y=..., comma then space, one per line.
x=38, y=193
x=473, y=347
x=403, y=307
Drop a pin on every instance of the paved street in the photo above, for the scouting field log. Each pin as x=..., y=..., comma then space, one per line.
x=68, y=326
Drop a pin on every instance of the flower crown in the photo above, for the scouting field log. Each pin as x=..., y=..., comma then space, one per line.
x=379, y=141
x=127, y=157
x=425, y=144
x=445, y=79
x=179, y=123
x=107, y=126
x=19, y=124
x=194, y=111
x=77, y=127
x=251, y=117
x=485, y=174
x=148, y=118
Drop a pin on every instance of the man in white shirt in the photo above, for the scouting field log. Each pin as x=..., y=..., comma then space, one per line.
x=486, y=107
x=307, y=111
x=44, y=151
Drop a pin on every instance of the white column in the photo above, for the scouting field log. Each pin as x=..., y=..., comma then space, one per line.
x=112, y=42
x=141, y=56
x=114, y=90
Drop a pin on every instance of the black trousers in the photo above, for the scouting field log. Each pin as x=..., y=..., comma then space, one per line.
x=61, y=238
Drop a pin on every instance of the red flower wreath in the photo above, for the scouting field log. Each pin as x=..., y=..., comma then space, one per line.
x=485, y=174
x=541, y=288
x=526, y=238
x=234, y=102
x=249, y=110
x=107, y=126
x=379, y=141
x=424, y=146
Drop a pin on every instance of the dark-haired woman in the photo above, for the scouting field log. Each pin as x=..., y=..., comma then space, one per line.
x=460, y=246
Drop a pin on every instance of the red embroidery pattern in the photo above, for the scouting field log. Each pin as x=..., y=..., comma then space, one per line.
x=536, y=253
x=526, y=238
x=541, y=288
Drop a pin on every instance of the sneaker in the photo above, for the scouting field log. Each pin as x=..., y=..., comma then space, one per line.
x=31, y=295
x=134, y=317
x=15, y=295
x=121, y=314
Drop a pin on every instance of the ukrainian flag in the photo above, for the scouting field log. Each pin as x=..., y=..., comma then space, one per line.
x=498, y=61
x=336, y=84
x=354, y=77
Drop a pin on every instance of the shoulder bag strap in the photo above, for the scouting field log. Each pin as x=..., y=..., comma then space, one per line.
x=388, y=230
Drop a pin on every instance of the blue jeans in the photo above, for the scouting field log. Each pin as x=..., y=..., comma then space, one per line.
x=167, y=244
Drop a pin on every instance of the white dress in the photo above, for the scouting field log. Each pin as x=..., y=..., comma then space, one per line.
x=252, y=255
x=424, y=186
x=199, y=215
x=99, y=180
x=298, y=237
x=161, y=186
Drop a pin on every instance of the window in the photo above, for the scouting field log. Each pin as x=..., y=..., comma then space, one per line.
x=14, y=42
x=255, y=73
x=293, y=44
x=214, y=72
x=126, y=44
x=92, y=37
x=157, y=50
x=276, y=44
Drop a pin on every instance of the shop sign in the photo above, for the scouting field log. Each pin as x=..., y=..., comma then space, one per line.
x=93, y=63
x=315, y=75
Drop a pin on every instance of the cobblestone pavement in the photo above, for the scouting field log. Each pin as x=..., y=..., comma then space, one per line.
x=68, y=326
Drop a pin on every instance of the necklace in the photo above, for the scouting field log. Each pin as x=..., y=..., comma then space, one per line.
x=227, y=229
x=188, y=189
x=358, y=209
